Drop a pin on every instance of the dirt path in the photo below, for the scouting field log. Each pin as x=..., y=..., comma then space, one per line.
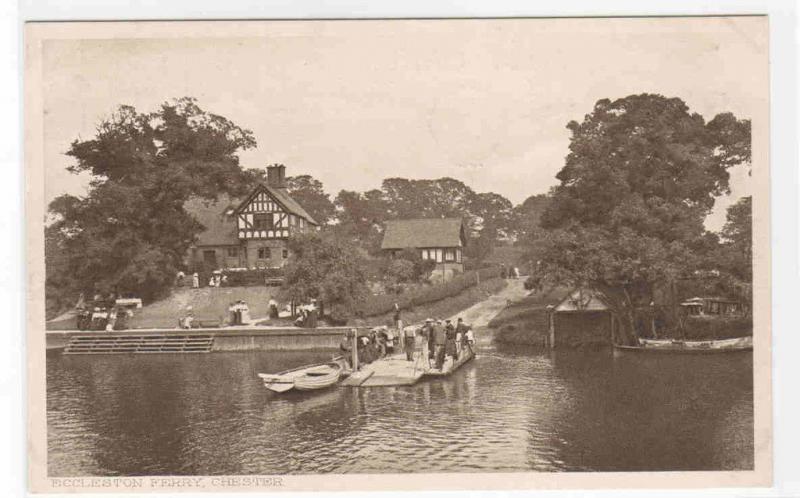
x=479, y=314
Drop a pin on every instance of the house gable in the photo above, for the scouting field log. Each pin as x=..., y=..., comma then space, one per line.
x=263, y=216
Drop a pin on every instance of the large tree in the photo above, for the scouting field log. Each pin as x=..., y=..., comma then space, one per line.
x=737, y=238
x=310, y=193
x=641, y=175
x=325, y=268
x=130, y=233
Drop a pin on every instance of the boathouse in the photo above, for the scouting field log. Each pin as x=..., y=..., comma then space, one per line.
x=582, y=317
x=437, y=239
x=251, y=232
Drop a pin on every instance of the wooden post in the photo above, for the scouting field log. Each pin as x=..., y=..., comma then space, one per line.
x=552, y=319
x=613, y=335
x=355, y=350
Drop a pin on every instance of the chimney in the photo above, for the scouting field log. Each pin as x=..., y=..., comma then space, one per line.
x=276, y=176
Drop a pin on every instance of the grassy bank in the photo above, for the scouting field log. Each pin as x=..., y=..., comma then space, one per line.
x=443, y=308
x=212, y=303
x=206, y=303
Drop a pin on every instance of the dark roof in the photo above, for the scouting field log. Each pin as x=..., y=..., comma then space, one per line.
x=290, y=204
x=220, y=227
x=423, y=233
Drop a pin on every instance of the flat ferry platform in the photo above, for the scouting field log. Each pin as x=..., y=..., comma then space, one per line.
x=396, y=370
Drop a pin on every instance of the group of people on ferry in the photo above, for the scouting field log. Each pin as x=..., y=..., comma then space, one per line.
x=430, y=343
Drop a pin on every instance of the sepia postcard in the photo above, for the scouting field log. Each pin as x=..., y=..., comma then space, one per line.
x=517, y=253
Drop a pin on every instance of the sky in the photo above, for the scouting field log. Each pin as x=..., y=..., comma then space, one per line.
x=354, y=102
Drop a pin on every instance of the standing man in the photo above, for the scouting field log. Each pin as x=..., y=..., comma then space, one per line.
x=195, y=281
x=450, y=340
x=461, y=334
x=398, y=325
x=408, y=342
x=439, y=338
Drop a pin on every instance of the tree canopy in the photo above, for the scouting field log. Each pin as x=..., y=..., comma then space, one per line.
x=130, y=232
x=641, y=175
x=325, y=268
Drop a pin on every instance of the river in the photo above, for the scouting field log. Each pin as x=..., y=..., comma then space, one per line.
x=505, y=411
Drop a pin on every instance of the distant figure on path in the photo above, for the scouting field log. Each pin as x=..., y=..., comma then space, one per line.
x=195, y=281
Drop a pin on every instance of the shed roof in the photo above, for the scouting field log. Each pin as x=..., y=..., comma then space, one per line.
x=424, y=233
x=583, y=299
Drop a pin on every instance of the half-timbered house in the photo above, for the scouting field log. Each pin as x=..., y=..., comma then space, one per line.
x=251, y=232
x=437, y=239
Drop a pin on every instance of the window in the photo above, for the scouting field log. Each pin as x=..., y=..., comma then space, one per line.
x=424, y=254
x=233, y=252
x=458, y=255
x=439, y=255
x=285, y=253
x=264, y=253
x=449, y=255
x=262, y=221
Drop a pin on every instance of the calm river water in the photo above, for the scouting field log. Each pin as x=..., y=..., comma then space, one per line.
x=505, y=411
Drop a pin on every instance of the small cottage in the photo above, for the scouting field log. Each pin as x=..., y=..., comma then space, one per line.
x=437, y=239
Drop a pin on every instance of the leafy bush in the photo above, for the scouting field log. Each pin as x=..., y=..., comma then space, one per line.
x=252, y=277
x=400, y=270
x=378, y=305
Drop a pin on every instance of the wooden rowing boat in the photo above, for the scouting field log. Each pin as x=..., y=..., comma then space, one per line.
x=306, y=378
x=678, y=346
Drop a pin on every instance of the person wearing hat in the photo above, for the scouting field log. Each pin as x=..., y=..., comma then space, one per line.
x=461, y=335
x=346, y=347
x=424, y=335
x=439, y=339
x=450, y=340
x=429, y=339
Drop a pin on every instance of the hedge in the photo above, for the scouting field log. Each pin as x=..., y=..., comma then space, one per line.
x=381, y=304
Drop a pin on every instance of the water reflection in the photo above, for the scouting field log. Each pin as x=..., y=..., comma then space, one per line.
x=505, y=411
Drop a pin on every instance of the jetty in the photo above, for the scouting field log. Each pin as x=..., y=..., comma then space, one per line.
x=396, y=370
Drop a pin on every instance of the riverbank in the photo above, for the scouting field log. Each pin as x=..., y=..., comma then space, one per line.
x=447, y=307
x=476, y=305
x=525, y=322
